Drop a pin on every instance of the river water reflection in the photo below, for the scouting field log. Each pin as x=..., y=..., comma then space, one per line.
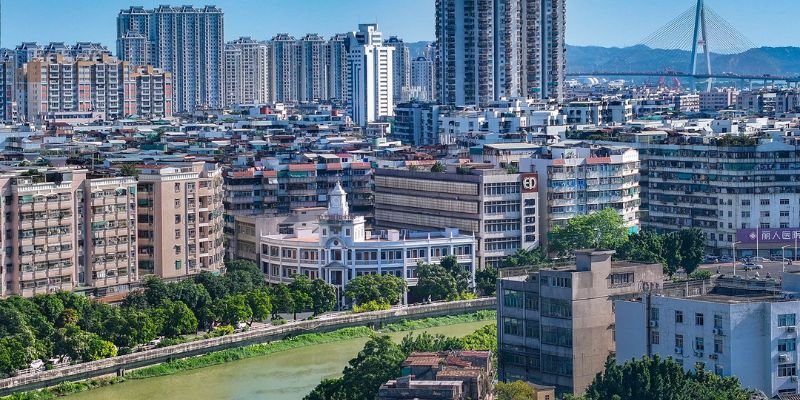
x=287, y=375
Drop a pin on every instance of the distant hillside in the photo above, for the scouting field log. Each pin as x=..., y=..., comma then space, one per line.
x=763, y=60
x=416, y=48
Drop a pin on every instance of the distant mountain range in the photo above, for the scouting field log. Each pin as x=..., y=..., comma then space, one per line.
x=586, y=59
x=762, y=60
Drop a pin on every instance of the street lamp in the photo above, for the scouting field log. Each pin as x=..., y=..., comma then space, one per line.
x=783, y=257
x=733, y=251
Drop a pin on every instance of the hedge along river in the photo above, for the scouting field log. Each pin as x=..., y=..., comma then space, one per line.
x=287, y=375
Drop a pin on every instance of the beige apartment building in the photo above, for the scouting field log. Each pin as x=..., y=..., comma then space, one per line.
x=179, y=224
x=556, y=325
x=67, y=232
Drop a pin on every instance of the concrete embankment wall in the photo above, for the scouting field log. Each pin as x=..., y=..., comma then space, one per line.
x=107, y=366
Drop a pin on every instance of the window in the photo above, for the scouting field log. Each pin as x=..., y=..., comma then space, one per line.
x=787, y=370
x=678, y=317
x=512, y=326
x=784, y=214
x=718, y=346
x=177, y=249
x=679, y=341
x=745, y=214
x=177, y=233
x=717, y=321
x=177, y=265
x=557, y=336
x=764, y=225
x=622, y=279
x=531, y=301
x=787, y=344
x=764, y=202
x=654, y=337
x=784, y=202
x=699, y=345
x=765, y=214
x=512, y=298
x=698, y=319
x=177, y=203
x=532, y=329
x=654, y=314
x=177, y=188
x=745, y=202
x=556, y=308
x=786, y=320
x=177, y=218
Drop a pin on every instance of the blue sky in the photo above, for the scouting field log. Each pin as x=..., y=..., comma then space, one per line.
x=596, y=22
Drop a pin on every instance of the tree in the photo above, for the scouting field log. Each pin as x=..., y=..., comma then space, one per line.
x=260, y=305
x=429, y=343
x=484, y=338
x=375, y=364
x=243, y=276
x=231, y=310
x=129, y=170
x=435, y=282
x=215, y=285
x=178, y=319
x=129, y=328
x=282, y=301
x=692, y=248
x=50, y=306
x=600, y=230
x=460, y=274
x=644, y=246
x=672, y=252
x=517, y=390
x=300, y=288
x=323, y=296
x=81, y=345
x=525, y=257
x=385, y=289
x=194, y=295
x=486, y=281
x=657, y=378
x=155, y=291
x=438, y=167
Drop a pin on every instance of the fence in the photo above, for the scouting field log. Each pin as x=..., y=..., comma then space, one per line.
x=155, y=356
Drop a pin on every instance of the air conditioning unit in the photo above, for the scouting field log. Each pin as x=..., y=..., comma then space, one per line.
x=783, y=358
x=678, y=350
x=794, y=379
x=790, y=329
x=718, y=332
x=698, y=354
x=653, y=324
x=712, y=356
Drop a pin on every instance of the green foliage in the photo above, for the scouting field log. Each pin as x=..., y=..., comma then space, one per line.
x=602, y=230
x=222, y=330
x=371, y=305
x=460, y=274
x=484, y=338
x=435, y=282
x=178, y=319
x=645, y=247
x=375, y=364
x=486, y=281
x=700, y=274
x=525, y=257
x=387, y=289
x=692, y=247
x=517, y=390
x=323, y=297
x=681, y=249
x=430, y=343
x=438, y=167
x=657, y=378
x=260, y=304
x=282, y=301
x=232, y=310
x=129, y=170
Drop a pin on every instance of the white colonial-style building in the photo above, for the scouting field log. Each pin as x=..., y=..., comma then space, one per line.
x=340, y=248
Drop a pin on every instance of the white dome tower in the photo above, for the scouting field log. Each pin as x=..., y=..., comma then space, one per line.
x=337, y=202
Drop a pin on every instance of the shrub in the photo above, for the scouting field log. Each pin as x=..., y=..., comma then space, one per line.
x=371, y=306
x=220, y=331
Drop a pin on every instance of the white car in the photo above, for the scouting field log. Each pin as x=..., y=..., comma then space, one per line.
x=749, y=266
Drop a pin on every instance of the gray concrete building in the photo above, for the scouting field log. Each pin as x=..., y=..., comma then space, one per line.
x=556, y=325
x=498, y=207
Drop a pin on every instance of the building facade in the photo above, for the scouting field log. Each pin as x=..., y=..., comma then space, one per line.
x=186, y=41
x=340, y=249
x=401, y=66
x=247, y=72
x=423, y=77
x=313, y=65
x=489, y=49
x=371, y=78
x=731, y=327
x=69, y=232
x=581, y=179
x=556, y=326
x=499, y=208
x=179, y=221
x=338, y=69
x=285, y=69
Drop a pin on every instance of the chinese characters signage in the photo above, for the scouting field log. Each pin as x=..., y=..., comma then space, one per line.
x=778, y=235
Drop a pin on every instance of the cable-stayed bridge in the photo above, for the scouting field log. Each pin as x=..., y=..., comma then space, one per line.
x=701, y=32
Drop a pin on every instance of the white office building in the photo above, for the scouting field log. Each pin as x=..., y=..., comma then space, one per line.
x=285, y=69
x=423, y=77
x=339, y=249
x=401, y=66
x=371, y=75
x=732, y=327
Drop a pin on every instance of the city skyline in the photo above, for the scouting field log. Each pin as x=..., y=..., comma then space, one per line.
x=587, y=23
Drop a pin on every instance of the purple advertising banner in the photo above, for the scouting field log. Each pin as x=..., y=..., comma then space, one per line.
x=776, y=235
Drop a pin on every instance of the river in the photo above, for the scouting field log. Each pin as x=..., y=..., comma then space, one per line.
x=287, y=375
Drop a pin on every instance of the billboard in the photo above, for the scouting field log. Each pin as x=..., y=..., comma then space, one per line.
x=768, y=235
x=530, y=183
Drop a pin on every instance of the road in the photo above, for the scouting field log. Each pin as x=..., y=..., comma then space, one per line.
x=773, y=268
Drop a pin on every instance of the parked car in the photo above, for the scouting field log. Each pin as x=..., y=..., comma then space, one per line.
x=749, y=266
x=725, y=259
